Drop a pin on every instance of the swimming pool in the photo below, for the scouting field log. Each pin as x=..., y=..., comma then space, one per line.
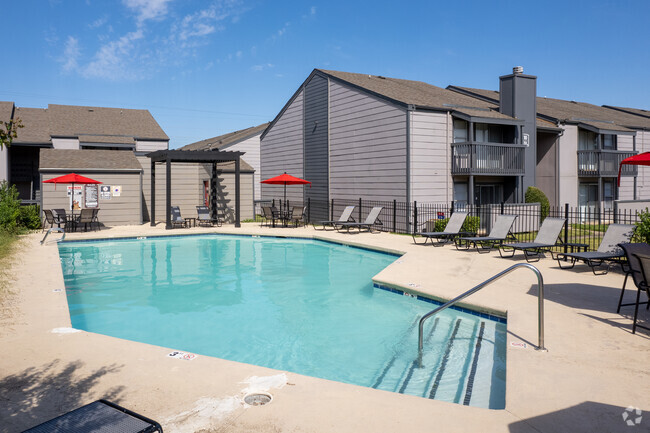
x=304, y=306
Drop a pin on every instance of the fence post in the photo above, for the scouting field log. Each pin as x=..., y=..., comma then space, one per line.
x=615, y=212
x=360, y=220
x=394, y=215
x=566, y=227
x=332, y=211
x=308, y=210
x=502, y=207
x=415, y=217
x=451, y=211
x=273, y=203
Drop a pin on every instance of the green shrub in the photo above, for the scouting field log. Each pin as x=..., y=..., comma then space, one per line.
x=471, y=224
x=9, y=207
x=29, y=217
x=536, y=195
x=642, y=232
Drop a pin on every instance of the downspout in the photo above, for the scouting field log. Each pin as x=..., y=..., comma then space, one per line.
x=557, y=167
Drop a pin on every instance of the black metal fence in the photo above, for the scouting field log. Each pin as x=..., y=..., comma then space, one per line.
x=584, y=225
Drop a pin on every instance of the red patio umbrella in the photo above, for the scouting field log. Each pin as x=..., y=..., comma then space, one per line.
x=286, y=179
x=640, y=159
x=72, y=178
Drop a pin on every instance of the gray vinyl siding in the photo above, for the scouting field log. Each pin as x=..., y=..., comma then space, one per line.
x=316, y=146
x=282, y=150
x=121, y=210
x=643, y=178
x=251, y=147
x=150, y=145
x=367, y=146
x=568, y=165
x=430, y=155
x=626, y=190
x=4, y=164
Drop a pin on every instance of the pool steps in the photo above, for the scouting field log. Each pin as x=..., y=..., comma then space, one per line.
x=457, y=364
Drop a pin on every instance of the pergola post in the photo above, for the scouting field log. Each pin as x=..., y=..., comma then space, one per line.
x=168, y=194
x=214, y=211
x=237, y=200
x=152, y=216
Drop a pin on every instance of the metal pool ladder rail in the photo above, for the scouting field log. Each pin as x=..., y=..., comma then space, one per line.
x=54, y=229
x=540, y=304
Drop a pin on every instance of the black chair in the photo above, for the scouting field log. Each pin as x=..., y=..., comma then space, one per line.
x=99, y=416
x=95, y=218
x=52, y=219
x=637, y=266
x=177, y=219
x=85, y=218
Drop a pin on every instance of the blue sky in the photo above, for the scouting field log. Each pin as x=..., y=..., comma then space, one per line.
x=205, y=68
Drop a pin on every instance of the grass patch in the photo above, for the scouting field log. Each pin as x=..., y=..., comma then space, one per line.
x=8, y=244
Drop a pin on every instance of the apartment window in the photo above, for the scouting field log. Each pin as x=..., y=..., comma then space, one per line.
x=609, y=194
x=481, y=133
x=460, y=131
x=609, y=141
x=587, y=140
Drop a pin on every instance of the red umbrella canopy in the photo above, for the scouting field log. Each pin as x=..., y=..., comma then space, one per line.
x=286, y=179
x=640, y=159
x=71, y=178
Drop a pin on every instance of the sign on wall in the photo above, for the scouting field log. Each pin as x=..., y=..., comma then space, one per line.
x=117, y=190
x=105, y=192
x=90, y=195
x=75, y=200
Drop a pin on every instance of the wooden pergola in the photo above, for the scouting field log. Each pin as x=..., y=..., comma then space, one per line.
x=193, y=156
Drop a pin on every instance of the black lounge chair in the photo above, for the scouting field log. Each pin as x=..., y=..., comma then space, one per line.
x=346, y=217
x=638, y=266
x=99, y=416
x=271, y=215
x=203, y=217
x=608, y=251
x=501, y=231
x=371, y=219
x=177, y=219
x=451, y=232
x=547, y=237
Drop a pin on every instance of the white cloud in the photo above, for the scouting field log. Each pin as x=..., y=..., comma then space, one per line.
x=113, y=60
x=262, y=67
x=239, y=54
x=71, y=53
x=147, y=9
x=98, y=23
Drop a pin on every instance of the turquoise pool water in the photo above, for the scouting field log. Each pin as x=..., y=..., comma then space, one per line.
x=303, y=306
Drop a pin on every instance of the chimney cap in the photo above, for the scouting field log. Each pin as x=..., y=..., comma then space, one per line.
x=517, y=70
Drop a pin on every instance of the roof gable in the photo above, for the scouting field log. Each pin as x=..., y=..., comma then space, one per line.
x=226, y=140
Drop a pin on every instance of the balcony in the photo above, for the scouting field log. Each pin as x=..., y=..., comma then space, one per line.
x=604, y=163
x=487, y=158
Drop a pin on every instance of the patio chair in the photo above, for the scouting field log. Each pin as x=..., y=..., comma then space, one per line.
x=451, y=231
x=298, y=215
x=346, y=217
x=203, y=217
x=99, y=416
x=371, y=220
x=52, y=219
x=638, y=266
x=270, y=216
x=608, y=252
x=85, y=218
x=95, y=218
x=547, y=237
x=501, y=231
x=177, y=219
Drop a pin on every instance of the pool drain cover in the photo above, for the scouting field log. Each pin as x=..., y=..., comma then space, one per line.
x=257, y=399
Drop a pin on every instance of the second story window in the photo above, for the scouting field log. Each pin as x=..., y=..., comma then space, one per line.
x=587, y=140
x=609, y=141
x=460, y=131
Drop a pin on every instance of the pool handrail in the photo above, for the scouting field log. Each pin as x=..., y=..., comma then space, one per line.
x=540, y=305
x=54, y=229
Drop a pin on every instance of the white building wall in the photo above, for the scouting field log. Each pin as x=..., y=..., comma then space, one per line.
x=252, y=156
x=150, y=145
x=430, y=155
x=281, y=150
x=65, y=143
x=568, y=165
x=367, y=146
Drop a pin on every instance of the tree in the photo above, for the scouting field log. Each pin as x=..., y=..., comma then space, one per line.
x=9, y=131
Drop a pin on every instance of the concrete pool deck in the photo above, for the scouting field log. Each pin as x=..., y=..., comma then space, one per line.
x=593, y=370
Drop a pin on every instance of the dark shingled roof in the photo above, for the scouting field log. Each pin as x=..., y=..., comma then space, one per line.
x=226, y=140
x=6, y=111
x=87, y=159
x=574, y=112
x=106, y=125
x=636, y=111
x=420, y=94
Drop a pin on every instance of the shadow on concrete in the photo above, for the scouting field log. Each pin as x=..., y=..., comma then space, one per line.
x=38, y=394
x=625, y=322
x=588, y=417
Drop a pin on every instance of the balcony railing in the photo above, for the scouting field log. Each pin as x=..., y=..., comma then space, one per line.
x=487, y=158
x=604, y=163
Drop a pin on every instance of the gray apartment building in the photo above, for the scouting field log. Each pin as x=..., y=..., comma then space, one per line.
x=379, y=138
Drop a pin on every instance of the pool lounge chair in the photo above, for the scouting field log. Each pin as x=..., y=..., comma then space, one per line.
x=346, y=216
x=451, y=231
x=99, y=416
x=177, y=219
x=371, y=219
x=203, y=217
x=547, y=237
x=499, y=233
x=608, y=251
x=637, y=266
